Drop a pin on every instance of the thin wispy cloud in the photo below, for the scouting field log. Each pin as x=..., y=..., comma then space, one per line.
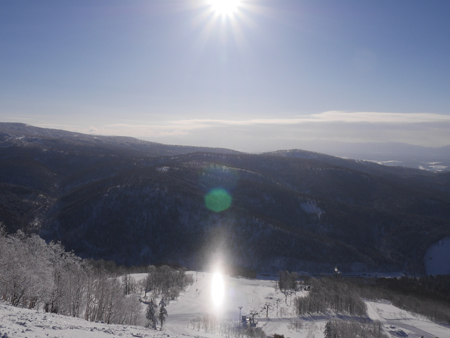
x=330, y=116
x=376, y=117
x=326, y=117
x=277, y=133
x=184, y=126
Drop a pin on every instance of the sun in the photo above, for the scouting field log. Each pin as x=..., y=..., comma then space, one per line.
x=225, y=7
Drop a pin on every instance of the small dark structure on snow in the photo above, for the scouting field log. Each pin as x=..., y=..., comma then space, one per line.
x=249, y=321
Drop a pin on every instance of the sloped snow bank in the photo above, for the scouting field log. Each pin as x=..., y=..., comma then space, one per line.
x=20, y=323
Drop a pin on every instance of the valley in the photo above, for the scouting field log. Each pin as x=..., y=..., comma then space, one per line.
x=140, y=203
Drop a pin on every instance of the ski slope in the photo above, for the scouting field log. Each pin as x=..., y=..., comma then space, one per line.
x=250, y=294
x=400, y=323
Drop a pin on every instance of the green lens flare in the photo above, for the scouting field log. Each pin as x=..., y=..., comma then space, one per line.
x=218, y=200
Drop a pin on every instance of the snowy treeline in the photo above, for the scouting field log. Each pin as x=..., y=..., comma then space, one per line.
x=37, y=275
x=331, y=294
x=151, y=315
x=166, y=282
x=34, y=274
x=287, y=281
x=427, y=296
x=352, y=329
x=211, y=324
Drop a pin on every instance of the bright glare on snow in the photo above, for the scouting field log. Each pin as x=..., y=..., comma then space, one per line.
x=217, y=289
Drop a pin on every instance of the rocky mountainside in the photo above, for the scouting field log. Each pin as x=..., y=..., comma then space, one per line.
x=139, y=202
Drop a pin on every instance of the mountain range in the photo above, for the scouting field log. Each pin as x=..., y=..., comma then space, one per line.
x=435, y=159
x=138, y=202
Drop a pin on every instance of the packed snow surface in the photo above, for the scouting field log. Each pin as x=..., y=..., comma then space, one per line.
x=197, y=300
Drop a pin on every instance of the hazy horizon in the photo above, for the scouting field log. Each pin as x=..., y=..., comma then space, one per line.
x=256, y=77
x=321, y=146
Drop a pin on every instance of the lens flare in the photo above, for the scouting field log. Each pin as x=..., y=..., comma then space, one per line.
x=217, y=289
x=218, y=200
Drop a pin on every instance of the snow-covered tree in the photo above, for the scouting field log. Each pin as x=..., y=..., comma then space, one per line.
x=328, y=332
x=151, y=314
x=129, y=284
x=25, y=270
x=162, y=312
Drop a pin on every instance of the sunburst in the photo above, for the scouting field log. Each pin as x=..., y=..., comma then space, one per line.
x=225, y=7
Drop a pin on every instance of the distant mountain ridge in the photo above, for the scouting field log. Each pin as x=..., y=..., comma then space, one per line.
x=140, y=202
x=25, y=135
x=434, y=159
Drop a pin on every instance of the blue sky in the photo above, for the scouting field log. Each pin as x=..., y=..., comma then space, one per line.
x=275, y=74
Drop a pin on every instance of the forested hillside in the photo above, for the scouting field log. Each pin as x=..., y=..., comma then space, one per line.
x=141, y=203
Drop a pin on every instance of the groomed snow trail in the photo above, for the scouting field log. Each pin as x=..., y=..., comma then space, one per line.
x=250, y=294
x=400, y=323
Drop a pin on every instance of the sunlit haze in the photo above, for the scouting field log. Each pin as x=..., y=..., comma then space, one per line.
x=250, y=75
x=217, y=289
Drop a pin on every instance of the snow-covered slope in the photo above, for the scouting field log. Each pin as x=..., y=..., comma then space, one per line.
x=196, y=301
x=20, y=323
x=400, y=323
x=252, y=295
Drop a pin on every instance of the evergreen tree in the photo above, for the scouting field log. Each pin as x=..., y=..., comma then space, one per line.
x=328, y=332
x=151, y=315
x=162, y=312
